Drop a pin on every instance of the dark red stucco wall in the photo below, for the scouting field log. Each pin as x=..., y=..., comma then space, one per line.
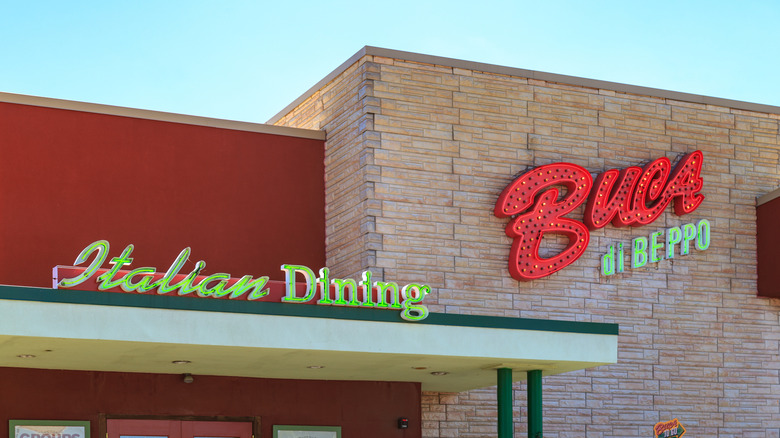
x=244, y=202
x=768, y=241
x=363, y=409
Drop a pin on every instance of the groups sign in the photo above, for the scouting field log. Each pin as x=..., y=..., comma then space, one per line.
x=634, y=196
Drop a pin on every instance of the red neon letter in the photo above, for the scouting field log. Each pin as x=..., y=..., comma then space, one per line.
x=533, y=195
x=606, y=204
x=638, y=196
x=650, y=188
x=686, y=183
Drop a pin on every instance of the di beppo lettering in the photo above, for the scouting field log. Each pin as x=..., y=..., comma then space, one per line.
x=657, y=246
x=635, y=196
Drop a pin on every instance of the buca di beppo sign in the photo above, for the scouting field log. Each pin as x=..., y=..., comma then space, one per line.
x=634, y=196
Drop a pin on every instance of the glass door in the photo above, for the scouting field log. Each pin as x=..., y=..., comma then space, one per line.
x=215, y=429
x=122, y=428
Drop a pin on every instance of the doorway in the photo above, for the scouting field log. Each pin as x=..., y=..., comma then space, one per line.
x=126, y=428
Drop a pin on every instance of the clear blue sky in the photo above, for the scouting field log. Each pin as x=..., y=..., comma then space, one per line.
x=246, y=60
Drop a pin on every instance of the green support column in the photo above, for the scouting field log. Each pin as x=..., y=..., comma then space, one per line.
x=535, y=404
x=506, y=427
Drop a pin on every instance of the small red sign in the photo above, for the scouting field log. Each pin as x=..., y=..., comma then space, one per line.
x=669, y=429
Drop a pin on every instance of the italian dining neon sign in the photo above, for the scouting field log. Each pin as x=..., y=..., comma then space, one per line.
x=324, y=288
x=634, y=196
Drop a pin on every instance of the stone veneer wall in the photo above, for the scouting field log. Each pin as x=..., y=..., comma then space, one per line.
x=417, y=155
x=344, y=108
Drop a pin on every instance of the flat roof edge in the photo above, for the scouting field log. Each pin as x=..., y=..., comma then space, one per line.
x=321, y=83
x=74, y=296
x=161, y=116
x=761, y=200
x=531, y=74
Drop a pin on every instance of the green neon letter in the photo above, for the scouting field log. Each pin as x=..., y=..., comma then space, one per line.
x=608, y=261
x=673, y=237
x=101, y=246
x=367, y=289
x=146, y=284
x=639, y=252
x=413, y=294
x=341, y=284
x=655, y=246
x=185, y=286
x=107, y=279
x=126, y=283
x=217, y=290
x=381, y=294
x=325, y=284
x=689, y=233
x=244, y=285
x=703, y=235
x=238, y=288
x=164, y=285
x=289, y=276
x=620, y=260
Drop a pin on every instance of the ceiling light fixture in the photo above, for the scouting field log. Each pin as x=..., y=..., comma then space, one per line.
x=180, y=362
x=439, y=373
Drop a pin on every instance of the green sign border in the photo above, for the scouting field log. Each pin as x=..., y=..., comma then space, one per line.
x=13, y=423
x=336, y=429
x=154, y=301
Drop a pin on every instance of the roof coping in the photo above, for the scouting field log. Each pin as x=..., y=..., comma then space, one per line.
x=160, y=116
x=530, y=74
x=761, y=200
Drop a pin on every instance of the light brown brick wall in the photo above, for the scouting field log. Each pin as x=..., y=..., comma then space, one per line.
x=344, y=109
x=417, y=155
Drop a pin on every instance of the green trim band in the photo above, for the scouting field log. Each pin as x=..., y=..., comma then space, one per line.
x=13, y=423
x=336, y=430
x=70, y=296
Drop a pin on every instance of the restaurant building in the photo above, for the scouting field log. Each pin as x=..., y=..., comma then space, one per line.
x=388, y=255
